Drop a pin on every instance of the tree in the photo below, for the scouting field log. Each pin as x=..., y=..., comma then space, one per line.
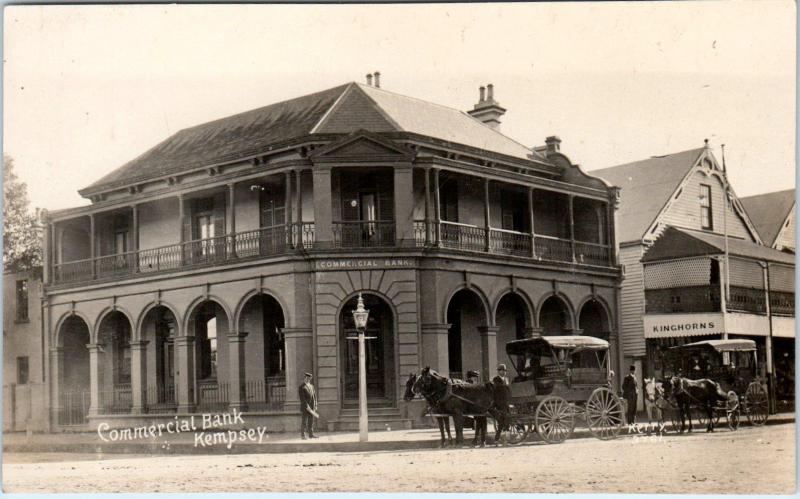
x=22, y=244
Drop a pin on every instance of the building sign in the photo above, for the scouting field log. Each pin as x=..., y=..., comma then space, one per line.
x=677, y=325
x=365, y=263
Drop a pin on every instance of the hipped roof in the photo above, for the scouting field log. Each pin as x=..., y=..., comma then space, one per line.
x=342, y=109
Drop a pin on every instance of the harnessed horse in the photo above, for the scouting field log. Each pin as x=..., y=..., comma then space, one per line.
x=444, y=421
x=703, y=392
x=654, y=401
x=458, y=399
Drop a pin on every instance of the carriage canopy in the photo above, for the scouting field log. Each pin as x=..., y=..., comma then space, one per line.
x=571, y=342
x=721, y=345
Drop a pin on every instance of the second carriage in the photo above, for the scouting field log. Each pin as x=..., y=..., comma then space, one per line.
x=559, y=380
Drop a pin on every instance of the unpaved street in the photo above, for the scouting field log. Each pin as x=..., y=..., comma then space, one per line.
x=752, y=460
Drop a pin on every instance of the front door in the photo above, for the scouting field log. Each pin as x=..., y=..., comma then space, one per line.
x=379, y=352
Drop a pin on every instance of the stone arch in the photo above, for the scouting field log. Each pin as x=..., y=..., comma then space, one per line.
x=192, y=308
x=66, y=316
x=465, y=344
x=512, y=315
x=159, y=326
x=382, y=352
x=529, y=308
x=263, y=318
x=114, y=330
x=138, y=336
x=484, y=300
x=556, y=314
x=73, y=373
x=287, y=316
x=104, y=314
x=594, y=318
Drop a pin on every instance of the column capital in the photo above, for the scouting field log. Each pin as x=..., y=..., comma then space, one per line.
x=94, y=347
x=184, y=340
x=138, y=345
x=297, y=332
x=576, y=331
x=237, y=336
x=488, y=330
x=57, y=350
x=533, y=332
x=435, y=328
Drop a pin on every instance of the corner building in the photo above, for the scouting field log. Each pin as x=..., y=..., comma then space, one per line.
x=211, y=271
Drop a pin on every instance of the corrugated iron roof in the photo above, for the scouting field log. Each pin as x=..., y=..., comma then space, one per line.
x=645, y=187
x=768, y=212
x=680, y=243
x=340, y=109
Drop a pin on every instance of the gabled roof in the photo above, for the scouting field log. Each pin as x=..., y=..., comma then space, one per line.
x=679, y=243
x=342, y=109
x=645, y=187
x=768, y=212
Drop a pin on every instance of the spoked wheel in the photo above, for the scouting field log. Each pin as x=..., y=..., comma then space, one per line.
x=755, y=399
x=555, y=420
x=517, y=433
x=732, y=410
x=604, y=414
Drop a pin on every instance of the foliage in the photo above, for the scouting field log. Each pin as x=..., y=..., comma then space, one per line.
x=22, y=243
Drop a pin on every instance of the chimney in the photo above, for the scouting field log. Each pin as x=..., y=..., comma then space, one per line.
x=378, y=79
x=553, y=144
x=487, y=110
x=369, y=80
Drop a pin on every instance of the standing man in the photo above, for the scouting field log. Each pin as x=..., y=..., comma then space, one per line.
x=308, y=407
x=630, y=392
x=480, y=421
x=502, y=394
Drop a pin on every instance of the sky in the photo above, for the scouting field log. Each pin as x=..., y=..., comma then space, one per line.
x=88, y=88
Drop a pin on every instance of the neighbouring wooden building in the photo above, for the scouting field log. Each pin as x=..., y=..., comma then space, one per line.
x=214, y=269
x=694, y=265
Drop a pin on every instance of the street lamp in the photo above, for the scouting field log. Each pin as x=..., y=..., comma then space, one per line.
x=360, y=316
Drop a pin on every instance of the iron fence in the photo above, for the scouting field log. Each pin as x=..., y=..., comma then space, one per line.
x=212, y=396
x=266, y=395
x=73, y=407
x=364, y=234
x=118, y=400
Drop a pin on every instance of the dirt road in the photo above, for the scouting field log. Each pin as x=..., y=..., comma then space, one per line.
x=752, y=460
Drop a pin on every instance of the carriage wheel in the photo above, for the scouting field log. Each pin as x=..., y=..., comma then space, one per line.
x=732, y=411
x=604, y=414
x=756, y=404
x=555, y=420
x=517, y=432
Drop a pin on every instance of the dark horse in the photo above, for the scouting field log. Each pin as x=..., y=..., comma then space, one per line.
x=444, y=421
x=703, y=392
x=458, y=399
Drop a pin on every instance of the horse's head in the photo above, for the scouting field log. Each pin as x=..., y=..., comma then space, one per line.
x=427, y=382
x=653, y=389
x=409, y=394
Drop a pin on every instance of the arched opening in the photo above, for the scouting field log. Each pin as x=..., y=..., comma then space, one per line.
x=465, y=314
x=114, y=336
x=379, y=351
x=511, y=318
x=593, y=320
x=159, y=329
x=554, y=317
x=73, y=389
x=265, y=352
x=209, y=325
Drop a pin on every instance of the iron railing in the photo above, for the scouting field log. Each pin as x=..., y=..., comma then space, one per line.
x=265, y=395
x=553, y=248
x=118, y=400
x=747, y=300
x=509, y=242
x=364, y=234
x=462, y=236
x=160, y=398
x=592, y=253
x=781, y=303
x=73, y=407
x=212, y=396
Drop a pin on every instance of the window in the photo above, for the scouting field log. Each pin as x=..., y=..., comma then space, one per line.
x=449, y=200
x=120, y=242
x=706, y=219
x=22, y=301
x=22, y=370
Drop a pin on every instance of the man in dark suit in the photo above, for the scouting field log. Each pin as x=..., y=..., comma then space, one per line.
x=502, y=395
x=308, y=407
x=630, y=392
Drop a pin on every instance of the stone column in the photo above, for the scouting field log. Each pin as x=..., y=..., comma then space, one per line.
x=299, y=359
x=486, y=221
x=532, y=220
x=94, y=378
x=236, y=373
x=434, y=347
x=185, y=373
x=323, y=221
x=92, y=245
x=56, y=374
x=427, y=206
x=572, y=225
x=404, y=205
x=488, y=350
x=138, y=376
x=437, y=208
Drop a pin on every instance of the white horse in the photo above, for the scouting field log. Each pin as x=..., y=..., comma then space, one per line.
x=654, y=400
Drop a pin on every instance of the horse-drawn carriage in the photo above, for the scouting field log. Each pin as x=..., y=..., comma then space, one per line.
x=559, y=379
x=731, y=364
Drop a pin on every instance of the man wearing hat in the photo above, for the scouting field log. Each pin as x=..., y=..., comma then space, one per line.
x=630, y=392
x=502, y=394
x=308, y=407
x=473, y=378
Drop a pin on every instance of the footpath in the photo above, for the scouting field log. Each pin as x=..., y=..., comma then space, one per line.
x=221, y=442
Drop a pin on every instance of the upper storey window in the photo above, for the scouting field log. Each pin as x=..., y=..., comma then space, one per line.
x=706, y=218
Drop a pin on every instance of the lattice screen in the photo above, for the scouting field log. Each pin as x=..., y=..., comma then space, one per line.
x=781, y=278
x=678, y=273
x=746, y=274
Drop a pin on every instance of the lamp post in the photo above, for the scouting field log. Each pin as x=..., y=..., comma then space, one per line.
x=360, y=315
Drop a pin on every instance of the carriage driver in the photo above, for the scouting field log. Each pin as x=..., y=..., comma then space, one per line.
x=502, y=396
x=473, y=378
x=630, y=392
